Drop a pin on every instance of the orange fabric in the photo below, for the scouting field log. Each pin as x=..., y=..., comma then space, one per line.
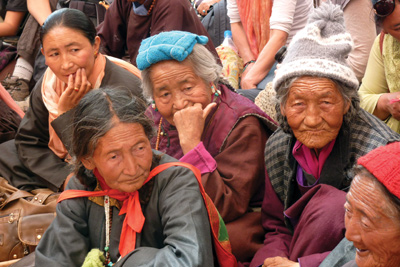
x=254, y=15
x=5, y=96
x=52, y=89
x=134, y=219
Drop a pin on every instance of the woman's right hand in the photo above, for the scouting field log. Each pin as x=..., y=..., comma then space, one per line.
x=78, y=86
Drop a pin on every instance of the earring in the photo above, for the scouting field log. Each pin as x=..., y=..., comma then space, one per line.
x=153, y=106
x=215, y=92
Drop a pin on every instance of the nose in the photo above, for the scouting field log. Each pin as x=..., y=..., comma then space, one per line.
x=130, y=166
x=352, y=229
x=313, y=116
x=180, y=101
x=66, y=63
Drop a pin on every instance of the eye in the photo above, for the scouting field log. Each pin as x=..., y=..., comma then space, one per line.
x=54, y=54
x=113, y=157
x=74, y=50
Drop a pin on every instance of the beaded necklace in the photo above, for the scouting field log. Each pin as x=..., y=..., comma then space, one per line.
x=108, y=212
x=158, y=134
x=151, y=7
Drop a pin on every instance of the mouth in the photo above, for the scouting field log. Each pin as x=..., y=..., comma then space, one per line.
x=361, y=252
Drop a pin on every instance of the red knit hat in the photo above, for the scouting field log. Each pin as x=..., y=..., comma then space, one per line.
x=384, y=163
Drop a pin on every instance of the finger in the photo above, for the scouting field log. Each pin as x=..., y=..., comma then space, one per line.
x=70, y=86
x=85, y=83
x=78, y=79
x=208, y=109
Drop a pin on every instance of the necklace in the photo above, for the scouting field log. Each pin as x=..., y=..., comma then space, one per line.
x=108, y=212
x=158, y=134
x=151, y=7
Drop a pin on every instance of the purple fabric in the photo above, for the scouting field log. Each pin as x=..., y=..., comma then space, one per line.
x=223, y=119
x=200, y=158
x=309, y=161
x=320, y=225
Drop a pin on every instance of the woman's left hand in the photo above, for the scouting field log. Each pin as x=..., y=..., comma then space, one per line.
x=280, y=262
x=189, y=123
x=77, y=87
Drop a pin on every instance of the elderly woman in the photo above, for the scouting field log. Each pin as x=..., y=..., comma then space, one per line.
x=380, y=88
x=310, y=158
x=202, y=122
x=127, y=205
x=373, y=208
x=38, y=157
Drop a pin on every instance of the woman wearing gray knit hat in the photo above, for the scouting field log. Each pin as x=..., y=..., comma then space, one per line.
x=310, y=157
x=380, y=88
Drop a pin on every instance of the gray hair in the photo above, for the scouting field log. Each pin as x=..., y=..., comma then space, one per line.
x=204, y=65
x=393, y=202
x=93, y=118
x=348, y=94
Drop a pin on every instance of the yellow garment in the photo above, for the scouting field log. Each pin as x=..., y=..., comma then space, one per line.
x=232, y=65
x=95, y=258
x=381, y=76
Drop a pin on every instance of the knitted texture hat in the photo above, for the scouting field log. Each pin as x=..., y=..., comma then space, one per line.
x=320, y=49
x=384, y=163
x=175, y=45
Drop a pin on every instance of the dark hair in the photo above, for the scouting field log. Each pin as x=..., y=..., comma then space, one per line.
x=379, y=20
x=93, y=118
x=393, y=201
x=69, y=18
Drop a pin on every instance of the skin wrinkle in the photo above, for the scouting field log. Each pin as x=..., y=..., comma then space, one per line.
x=371, y=225
x=314, y=111
x=123, y=157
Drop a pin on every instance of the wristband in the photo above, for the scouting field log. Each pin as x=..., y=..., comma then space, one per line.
x=247, y=64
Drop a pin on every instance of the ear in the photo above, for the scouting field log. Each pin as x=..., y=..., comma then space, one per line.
x=96, y=44
x=41, y=50
x=88, y=163
x=347, y=107
x=283, y=111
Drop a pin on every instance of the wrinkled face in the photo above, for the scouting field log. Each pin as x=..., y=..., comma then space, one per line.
x=123, y=157
x=176, y=86
x=314, y=111
x=66, y=50
x=391, y=24
x=371, y=226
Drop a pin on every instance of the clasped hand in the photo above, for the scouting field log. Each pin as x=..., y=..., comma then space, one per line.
x=189, y=123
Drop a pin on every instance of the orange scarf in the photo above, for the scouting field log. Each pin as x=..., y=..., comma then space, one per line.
x=53, y=88
x=134, y=219
x=133, y=210
x=254, y=15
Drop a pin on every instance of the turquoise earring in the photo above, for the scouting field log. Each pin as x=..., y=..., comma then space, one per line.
x=153, y=106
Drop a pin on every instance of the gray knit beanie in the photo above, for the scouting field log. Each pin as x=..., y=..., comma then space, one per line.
x=320, y=49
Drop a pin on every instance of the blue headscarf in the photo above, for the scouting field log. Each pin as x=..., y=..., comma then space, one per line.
x=173, y=45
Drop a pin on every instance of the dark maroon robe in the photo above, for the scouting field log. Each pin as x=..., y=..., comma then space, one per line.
x=122, y=29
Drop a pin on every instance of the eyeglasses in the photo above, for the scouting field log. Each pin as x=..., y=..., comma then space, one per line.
x=384, y=8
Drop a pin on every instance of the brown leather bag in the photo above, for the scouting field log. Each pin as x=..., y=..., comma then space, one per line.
x=24, y=217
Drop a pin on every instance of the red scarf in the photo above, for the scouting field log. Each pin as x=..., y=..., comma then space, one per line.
x=134, y=219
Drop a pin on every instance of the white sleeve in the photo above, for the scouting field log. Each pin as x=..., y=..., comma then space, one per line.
x=233, y=11
x=290, y=16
